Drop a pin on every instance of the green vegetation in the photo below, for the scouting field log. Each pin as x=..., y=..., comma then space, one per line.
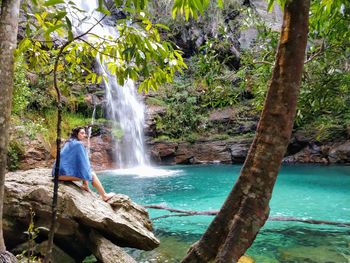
x=70, y=120
x=28, y=255
x=21, y=90
x=14, y=154
x=324, y=99
x=210, y=83
x=183, y=114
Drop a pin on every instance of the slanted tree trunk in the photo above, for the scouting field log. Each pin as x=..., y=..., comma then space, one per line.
x=8, y=40
x=246, y=209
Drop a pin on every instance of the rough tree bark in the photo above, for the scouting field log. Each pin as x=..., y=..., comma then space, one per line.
x=246, y=209
x=8, y=40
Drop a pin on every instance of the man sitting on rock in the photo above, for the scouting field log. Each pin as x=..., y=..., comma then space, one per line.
x=75, y=164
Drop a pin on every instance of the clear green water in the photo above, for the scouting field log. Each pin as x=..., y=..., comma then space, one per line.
x=302, y=191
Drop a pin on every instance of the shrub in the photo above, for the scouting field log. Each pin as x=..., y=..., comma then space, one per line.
x=21, y=91
x=14, y=154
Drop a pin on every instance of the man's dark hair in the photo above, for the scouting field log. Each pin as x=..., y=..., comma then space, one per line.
x=74, y=133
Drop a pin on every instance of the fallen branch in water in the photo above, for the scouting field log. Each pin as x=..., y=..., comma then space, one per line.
x=214, y=212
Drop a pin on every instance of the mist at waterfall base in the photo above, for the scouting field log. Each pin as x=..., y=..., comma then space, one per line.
x=301, y=191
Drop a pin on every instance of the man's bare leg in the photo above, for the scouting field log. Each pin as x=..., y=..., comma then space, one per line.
x=84, y=186
x=97, y=184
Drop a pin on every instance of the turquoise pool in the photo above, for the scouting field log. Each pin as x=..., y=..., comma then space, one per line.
x=302, y=191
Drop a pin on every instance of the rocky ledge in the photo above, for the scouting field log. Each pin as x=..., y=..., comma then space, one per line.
x=233, y=151
x=86, y=224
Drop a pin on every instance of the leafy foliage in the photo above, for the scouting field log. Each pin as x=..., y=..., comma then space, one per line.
x=325, y=89
x=137, y=53
x=257, y=61
x=32, y=233
x=70, y=120
x=21, y=91
x=214, y=79
x=14, y=154
x=183, y=114
x=192, y=8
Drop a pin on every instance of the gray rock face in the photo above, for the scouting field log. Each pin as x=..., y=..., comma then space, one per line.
x=340, y=153
x=199, y=152
x=86, y=224
x=107, y=252
x=272, y=19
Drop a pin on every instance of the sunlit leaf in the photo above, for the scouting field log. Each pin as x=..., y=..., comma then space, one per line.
x=53, y=2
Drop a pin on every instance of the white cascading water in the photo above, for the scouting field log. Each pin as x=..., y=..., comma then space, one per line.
x=124, y=105
x=126, y=108
x=90, y=129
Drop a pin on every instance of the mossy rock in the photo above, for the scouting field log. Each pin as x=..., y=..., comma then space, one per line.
x=321, y=254
x=246, y=259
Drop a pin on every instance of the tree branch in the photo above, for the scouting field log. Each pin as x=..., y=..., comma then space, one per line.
x=99, y=37
x=214, y=212
x=263, y=62
x=95, y=48
x=316, y=54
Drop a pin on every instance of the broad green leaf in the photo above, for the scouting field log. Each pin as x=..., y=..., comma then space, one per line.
x=198, y=4
x=102, y=9
x=69, y=23
x=60, y=15
x=148, y=27
x=220, y=4
x=187, y=13
x=52, y=29
x=70, y=35
x=93, y=78
x=174, y=12
x=40, y=20
x=270, y=5
x=118, y=2
x=162, y=26
x=53, y=2
x=24, y=44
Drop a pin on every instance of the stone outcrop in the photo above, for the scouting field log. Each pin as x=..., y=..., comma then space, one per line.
x=102, y=150
x=340, y=153
x=231, y=135
x=86, y=224
x=200, y=152
x=150, y=119
x=235, y=152
x=37, y=154
x=229, y=121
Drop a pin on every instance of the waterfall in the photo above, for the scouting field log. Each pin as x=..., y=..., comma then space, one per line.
x=89, y=134
x=124, y=105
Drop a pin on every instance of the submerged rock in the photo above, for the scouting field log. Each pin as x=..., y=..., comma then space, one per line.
x=85, y=224
x=321, y=254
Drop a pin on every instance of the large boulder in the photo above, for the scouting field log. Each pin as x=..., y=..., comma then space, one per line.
x=85, y=224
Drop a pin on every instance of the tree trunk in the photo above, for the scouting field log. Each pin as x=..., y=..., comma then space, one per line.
x=246, y=209
x=8, y=41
